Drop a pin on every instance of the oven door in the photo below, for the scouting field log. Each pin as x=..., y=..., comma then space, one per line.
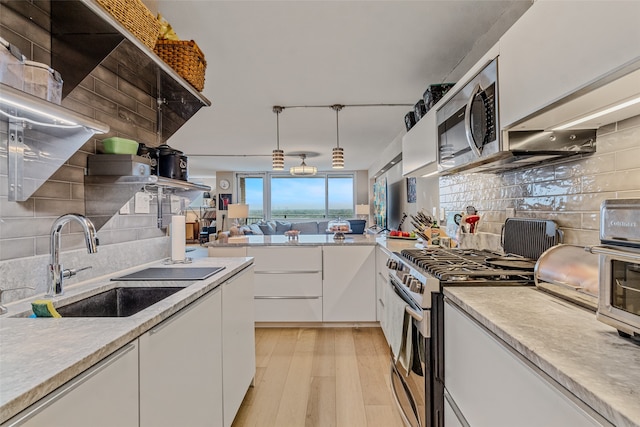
x=409, y=386
x=619, y=299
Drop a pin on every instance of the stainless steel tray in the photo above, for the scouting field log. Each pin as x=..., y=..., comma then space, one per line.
x=171, y=273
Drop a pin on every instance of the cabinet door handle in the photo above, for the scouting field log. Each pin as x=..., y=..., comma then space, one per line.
x=381, y=302
x=283, y=297
x=288, y=271
x=59, y=393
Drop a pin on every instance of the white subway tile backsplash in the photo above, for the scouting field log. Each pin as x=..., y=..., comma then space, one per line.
x=628, y=159
x=17, y=248
x=569, y=191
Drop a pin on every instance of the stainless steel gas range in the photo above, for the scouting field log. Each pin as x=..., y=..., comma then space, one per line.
x=418, y=276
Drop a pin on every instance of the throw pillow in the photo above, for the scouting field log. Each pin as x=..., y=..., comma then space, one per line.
x=282, y=226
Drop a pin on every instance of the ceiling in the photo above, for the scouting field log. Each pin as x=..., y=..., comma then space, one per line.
x=292, y=53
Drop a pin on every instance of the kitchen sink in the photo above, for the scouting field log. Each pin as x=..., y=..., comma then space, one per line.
x=117, y=302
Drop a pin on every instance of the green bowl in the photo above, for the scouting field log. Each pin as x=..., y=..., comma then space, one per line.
x=117, y=145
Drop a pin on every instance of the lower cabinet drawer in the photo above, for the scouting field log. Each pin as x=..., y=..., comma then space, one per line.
x=294, y=309
x=288, y=285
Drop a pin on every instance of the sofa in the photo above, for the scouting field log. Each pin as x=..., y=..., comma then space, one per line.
x=279, y=227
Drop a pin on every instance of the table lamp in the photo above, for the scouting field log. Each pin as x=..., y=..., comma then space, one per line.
x=362, y=211
x=239, y=212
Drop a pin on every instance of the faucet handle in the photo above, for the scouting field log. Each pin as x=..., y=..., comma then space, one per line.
x=70, y=272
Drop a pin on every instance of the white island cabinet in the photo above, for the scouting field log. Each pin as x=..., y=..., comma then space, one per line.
x=288, y=283
x=492, y=385
x=558, y=47
x=104, y=396
x=349, y=284
x=238, y=341
x=181, y=367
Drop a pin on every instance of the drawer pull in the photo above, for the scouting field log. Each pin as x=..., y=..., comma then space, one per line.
x=288, y=271
x=266, y=297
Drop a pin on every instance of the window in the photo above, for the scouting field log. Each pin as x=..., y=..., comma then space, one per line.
x=251, y=192
x=273, y=196
x=296, y=197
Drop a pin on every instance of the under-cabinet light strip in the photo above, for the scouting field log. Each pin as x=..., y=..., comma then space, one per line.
x=601, y=113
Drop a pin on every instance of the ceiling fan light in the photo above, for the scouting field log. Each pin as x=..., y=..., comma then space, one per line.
x=277, y=160
x=337, y=160
x=303, y=169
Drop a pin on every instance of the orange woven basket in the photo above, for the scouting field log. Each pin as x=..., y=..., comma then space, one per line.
x=135, y=17
x=186, y=58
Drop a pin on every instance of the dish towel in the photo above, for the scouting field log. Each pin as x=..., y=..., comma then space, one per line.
x=395, y=321
x=406, y=347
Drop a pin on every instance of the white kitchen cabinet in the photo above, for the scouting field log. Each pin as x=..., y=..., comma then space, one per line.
x=181, y=367
x=492, y=385
x=558, y=47
x=227, y=251
x=382, y=280
x=238, y=341
x=349, y=284
x=419, y=144
x=104, y=396
x=288, y=283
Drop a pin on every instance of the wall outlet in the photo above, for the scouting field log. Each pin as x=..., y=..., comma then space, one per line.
x=511, y=212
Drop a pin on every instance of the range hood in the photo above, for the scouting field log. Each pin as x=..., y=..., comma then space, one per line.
x=36, y=138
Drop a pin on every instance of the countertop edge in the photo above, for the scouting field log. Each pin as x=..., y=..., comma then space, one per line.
x=133, y=327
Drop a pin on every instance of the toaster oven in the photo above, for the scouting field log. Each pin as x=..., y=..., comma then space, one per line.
x=619, y=266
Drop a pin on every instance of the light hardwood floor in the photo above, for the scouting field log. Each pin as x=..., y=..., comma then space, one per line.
x=320, y=377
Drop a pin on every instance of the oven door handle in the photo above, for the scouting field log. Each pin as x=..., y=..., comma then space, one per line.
x=602, y=250
x=417, y=316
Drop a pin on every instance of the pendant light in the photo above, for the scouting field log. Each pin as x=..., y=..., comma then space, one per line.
x=337, y=158
x=303, y=169
x=277, y=155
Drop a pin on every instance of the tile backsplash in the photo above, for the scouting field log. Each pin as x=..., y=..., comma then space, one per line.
x=569, y=191
x=130, y=113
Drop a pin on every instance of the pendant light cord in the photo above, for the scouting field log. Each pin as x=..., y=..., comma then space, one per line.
x=337, y=108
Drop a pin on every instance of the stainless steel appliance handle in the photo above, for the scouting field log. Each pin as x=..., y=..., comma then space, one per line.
x=602, y=250
x=467, y=120
x=417, y=316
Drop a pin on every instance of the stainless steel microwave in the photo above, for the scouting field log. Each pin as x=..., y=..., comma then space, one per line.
x=470, y=138
x=468, y=127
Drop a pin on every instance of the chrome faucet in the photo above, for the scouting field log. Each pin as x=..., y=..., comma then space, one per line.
x=56, y=272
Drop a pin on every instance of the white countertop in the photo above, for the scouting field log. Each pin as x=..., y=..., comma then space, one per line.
x=39, y=355
x=568, y=343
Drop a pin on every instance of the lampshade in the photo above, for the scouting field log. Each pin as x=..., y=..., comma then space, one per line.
x=277, y=155
x=277, y=160
x=238, y=210
x=303, y=169
x=362, y=209
x=337, y=157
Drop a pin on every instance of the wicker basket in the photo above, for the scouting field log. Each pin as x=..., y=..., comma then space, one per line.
x=185, y=57
x=136, y=18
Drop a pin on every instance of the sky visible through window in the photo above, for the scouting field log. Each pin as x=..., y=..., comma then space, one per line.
x=293, y=197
